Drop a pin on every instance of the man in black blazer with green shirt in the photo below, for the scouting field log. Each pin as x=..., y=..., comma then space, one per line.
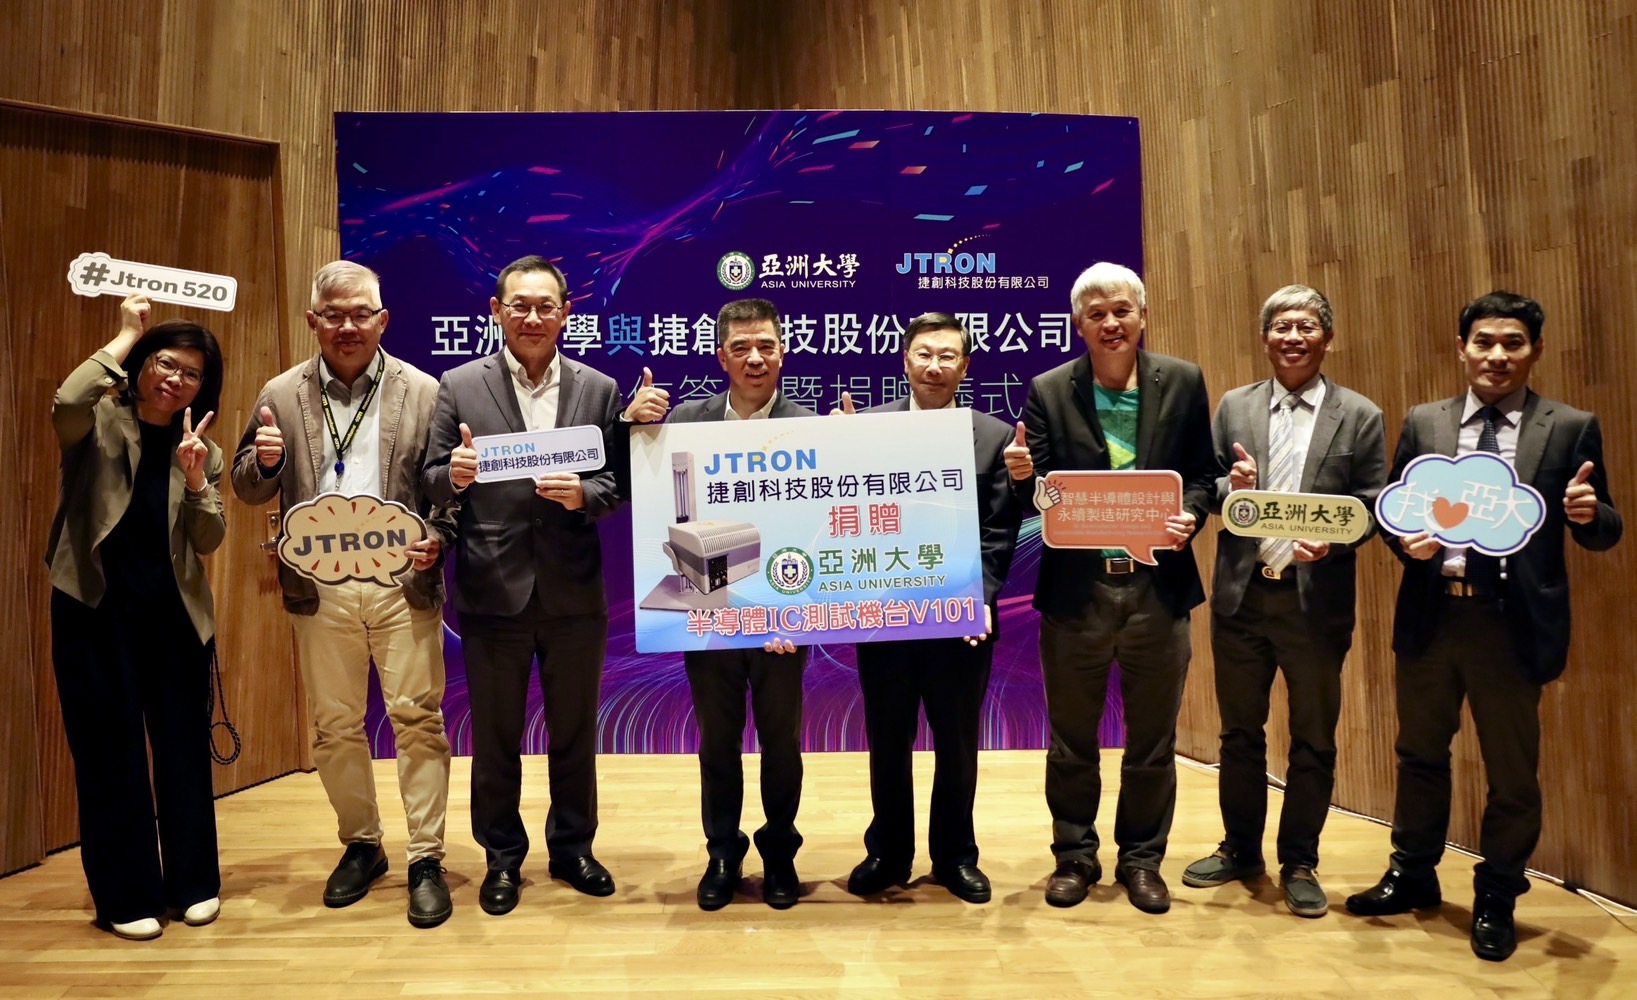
x=1487, y=631
x=1117, y=407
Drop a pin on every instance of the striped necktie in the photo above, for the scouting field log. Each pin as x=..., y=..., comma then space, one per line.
x=1283, y=476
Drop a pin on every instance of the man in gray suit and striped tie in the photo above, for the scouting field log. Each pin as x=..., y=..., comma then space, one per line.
x=1283, y=604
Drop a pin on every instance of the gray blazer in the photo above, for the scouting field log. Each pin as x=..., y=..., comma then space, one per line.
x=406, y=397
x=509, y=537
x=1553, y=440
x=101, y=446
x=1347, y=456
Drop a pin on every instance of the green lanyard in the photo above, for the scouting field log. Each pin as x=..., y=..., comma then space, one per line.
x=343, y=443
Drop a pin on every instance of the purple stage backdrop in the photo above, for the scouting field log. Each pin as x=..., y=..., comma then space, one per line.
x=850, y=221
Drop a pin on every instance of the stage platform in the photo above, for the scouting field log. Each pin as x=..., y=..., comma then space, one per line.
x=275, y=939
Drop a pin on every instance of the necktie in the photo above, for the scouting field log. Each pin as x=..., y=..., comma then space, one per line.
x=1481, y=570
x=1283, y=476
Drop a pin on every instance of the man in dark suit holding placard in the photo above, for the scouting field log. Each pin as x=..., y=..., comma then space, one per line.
x=528, y=579
x=1117, y=407
x=750, y=347
x=949, y=676
x=1489, y=631
x=1285, y=604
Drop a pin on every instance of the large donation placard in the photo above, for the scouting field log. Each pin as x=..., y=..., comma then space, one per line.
x=857, y=529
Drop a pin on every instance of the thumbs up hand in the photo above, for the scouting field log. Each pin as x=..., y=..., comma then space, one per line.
x=463, y=461
x=269, y=441
x=1242, y=476
x=650, y=403
x=846, y=408
x=1019, y=462
x=1580, y=499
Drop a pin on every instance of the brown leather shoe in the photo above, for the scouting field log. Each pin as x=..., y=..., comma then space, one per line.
x=1145, y=888
x=1068, y=884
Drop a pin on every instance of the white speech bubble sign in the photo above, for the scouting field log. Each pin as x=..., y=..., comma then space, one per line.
x=531, y=454
x=93, y=274
x=333, y=538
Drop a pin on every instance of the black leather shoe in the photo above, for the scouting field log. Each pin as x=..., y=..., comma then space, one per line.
x=1071, y=880
x=498, y=894
x=966, y=882
x=1396, y=893
x=584, y=873
x=361, y=864
x=1494, y=939
x=875, y=874
x=719, y=883
x=429, y=903
x=1145, y=888
x=781, y=888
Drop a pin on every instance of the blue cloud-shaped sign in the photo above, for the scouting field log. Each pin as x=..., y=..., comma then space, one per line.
x=1473, y=500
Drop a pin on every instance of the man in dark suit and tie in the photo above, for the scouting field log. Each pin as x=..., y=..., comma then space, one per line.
x=750, y=347
x=949, y=676
x=1282, y=604
x=1490, y=631
x=528, y=579
x=1117, y=407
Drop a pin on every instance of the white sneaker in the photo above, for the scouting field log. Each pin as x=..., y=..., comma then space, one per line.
x=145, y=929
x=202, y=912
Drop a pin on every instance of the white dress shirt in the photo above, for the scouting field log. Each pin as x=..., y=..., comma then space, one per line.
x=362, y=463
x=537, y=400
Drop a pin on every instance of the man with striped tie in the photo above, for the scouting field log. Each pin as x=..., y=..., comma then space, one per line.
x=1117, y=407
x=1285, y=605
x=1488, y=631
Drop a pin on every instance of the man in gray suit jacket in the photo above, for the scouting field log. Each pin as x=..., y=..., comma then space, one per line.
x=1285, y=605
x=359, y=422
x=950, y=677
x=528, y=579
x=750, y=348
x=1484, y=630
x=1117, y=407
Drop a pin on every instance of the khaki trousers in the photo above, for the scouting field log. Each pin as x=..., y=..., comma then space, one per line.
x=357, y=621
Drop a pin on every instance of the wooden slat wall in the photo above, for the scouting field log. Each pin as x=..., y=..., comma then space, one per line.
x=74, y=184
x=1402, y=157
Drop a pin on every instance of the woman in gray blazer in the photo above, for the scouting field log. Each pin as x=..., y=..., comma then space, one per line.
x=132, y=619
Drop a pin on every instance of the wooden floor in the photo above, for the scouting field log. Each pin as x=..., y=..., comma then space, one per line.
x=275, y=939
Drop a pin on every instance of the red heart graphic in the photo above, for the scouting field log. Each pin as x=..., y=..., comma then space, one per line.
x=1447, y=514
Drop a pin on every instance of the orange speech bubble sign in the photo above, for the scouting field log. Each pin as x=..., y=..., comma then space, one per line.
x=334, y=538
x=1109, y=510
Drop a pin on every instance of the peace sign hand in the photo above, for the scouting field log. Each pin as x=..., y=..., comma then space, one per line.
x=192, y=452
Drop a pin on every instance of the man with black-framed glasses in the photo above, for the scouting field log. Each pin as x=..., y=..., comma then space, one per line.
x=361, y=421
x=528, y=579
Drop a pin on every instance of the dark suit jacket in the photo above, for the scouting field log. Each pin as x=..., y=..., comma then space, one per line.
x=1347, y=455
x=406, y=397
x=508, y=536
x=1553, y=440
x=999, y=511
x=701, y=411
x=1173, y=432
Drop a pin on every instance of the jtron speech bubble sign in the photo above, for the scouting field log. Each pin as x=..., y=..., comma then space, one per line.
x=334, y=538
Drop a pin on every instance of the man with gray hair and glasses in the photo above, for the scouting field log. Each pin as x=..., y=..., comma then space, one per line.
x=1117, y=407
x=359, y=423
x=1285, y=605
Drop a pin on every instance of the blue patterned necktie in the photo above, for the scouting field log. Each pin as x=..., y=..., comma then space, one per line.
x=1283, y=476
x=1484, y=571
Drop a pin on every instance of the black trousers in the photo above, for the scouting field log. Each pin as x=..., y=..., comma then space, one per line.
x=132, y=673
x=1126, y=621
x=718, y=680
x=950, y=678
x=500, y=653
x=1470, y=657
x=1268, y=634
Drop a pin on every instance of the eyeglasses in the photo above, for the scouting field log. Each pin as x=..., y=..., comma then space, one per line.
x=924, y=357
x=166, y=368
x=359, y=317
x=1306, y=328
x=521, y=310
